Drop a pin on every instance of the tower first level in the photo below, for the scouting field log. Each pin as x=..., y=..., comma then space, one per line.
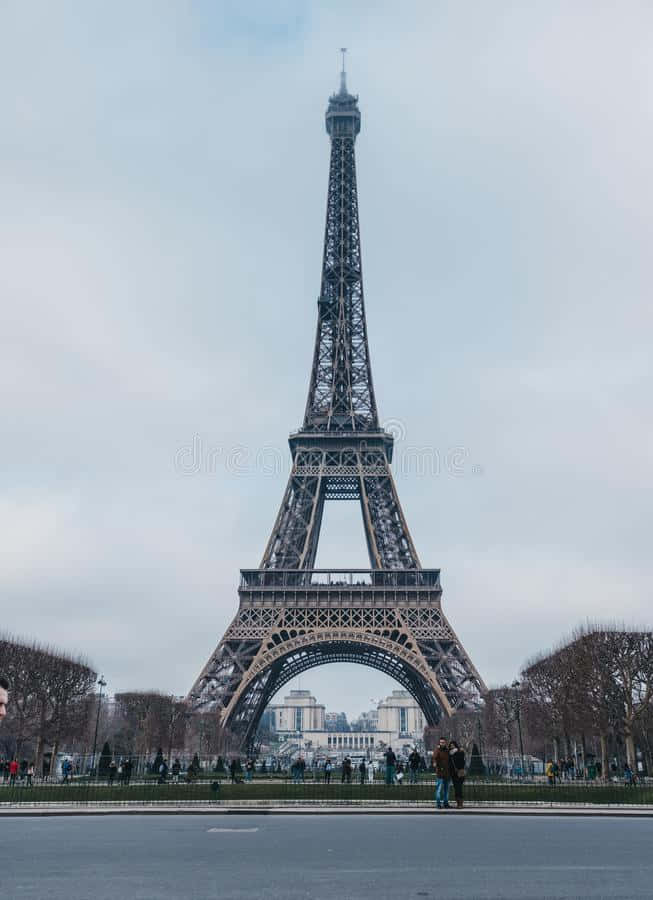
x=292, y=620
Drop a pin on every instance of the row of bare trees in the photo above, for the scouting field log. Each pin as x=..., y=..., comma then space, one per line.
x=594, y=691
x=51, y=698
x=140, y=723
x=54, y=707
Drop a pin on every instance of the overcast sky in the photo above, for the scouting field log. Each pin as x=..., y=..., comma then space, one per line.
x=163, y=173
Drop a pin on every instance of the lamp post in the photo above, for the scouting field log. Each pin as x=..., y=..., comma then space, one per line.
x=517, y=707
x=102, y=684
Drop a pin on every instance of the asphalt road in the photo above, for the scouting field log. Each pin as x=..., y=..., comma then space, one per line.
x=334, y=857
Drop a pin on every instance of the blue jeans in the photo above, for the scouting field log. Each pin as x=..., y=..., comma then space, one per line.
x=389, y=774
x=442, y=792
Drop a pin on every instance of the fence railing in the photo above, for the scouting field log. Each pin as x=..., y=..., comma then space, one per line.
x=220, y=790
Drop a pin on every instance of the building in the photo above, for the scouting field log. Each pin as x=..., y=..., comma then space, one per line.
x=337, y=722
x=397, y=722
x=367, y=721
x=299, y=711
x=399, y=714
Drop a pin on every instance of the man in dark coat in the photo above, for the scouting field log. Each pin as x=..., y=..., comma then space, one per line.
x=390, y=763
x=442, y=766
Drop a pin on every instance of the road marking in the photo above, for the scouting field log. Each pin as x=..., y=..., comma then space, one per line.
x=232, y=830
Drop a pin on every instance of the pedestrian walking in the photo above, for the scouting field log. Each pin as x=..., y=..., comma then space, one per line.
x=442, y=766
x=233, y=769
x=457, y=769
x=362, y=769
x=390, y=763
x=249, y=769
x=127, y=772
x=163, y=772
x=550, y=773
x=327, y=771
x=346, y=770
x=176, y=771
x=113, y=770
x=13, y=772
x=414, y=761
x=29, y=775
x=629, y=776
x=370, y=773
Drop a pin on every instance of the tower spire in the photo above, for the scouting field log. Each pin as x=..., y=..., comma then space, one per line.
x=343, y=73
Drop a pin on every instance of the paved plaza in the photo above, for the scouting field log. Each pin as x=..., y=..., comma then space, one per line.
x=329, y=856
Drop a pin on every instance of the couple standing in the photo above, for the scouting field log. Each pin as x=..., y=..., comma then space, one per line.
x=449, y=763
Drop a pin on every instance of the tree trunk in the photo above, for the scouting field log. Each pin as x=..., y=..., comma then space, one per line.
x=604, y=757
x=53, y=758
x=630, y=748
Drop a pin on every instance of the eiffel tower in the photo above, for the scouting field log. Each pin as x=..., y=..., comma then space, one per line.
x=292, y=616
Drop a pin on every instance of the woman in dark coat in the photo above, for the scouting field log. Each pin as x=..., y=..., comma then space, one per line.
x=457, y=768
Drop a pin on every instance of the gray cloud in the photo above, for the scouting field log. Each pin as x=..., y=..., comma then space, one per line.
x=163, y=173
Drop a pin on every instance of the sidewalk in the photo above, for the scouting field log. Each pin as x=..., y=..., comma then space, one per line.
x=108, y=809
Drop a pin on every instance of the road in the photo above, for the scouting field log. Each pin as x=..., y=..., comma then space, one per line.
x=324, y=857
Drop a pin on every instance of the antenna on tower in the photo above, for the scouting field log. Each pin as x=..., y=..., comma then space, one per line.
x=343, y=73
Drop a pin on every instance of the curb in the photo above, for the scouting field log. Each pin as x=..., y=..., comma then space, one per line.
x=602, y=812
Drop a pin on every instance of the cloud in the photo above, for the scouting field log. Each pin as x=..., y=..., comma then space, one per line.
x=163, y=173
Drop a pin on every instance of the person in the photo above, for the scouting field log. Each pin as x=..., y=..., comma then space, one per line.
x=629, y=775
x=362, y=769
x=4, y=696
x=233, y=768
x=29, y=774
x=13, y=771
x=66, y=771
x=346, y=770
x=400, y=772
x=413, y=766
x=457, y=761
x=176, y=769
x=327, y=771
x=301, y=768
x=113, y=769
x=163, y=772
x=442, y=767
x=127, y=772
x=550, y=773
x=390, y=763
x=370, y=773
x=249, y=769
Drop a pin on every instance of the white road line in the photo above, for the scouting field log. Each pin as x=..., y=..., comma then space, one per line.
x=232, y=830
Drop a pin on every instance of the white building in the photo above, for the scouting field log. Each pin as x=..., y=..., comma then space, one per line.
x=299, y=712
x=398, y=721
x=400, y=714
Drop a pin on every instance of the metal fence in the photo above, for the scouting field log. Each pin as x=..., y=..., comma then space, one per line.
x=213, y=789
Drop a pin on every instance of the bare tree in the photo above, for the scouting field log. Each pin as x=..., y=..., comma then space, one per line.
x=50, y=691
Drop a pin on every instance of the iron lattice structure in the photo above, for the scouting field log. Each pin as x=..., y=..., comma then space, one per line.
x=291, y=616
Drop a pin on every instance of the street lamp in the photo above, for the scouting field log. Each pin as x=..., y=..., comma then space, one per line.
x=102, y=684
x=517, y=707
